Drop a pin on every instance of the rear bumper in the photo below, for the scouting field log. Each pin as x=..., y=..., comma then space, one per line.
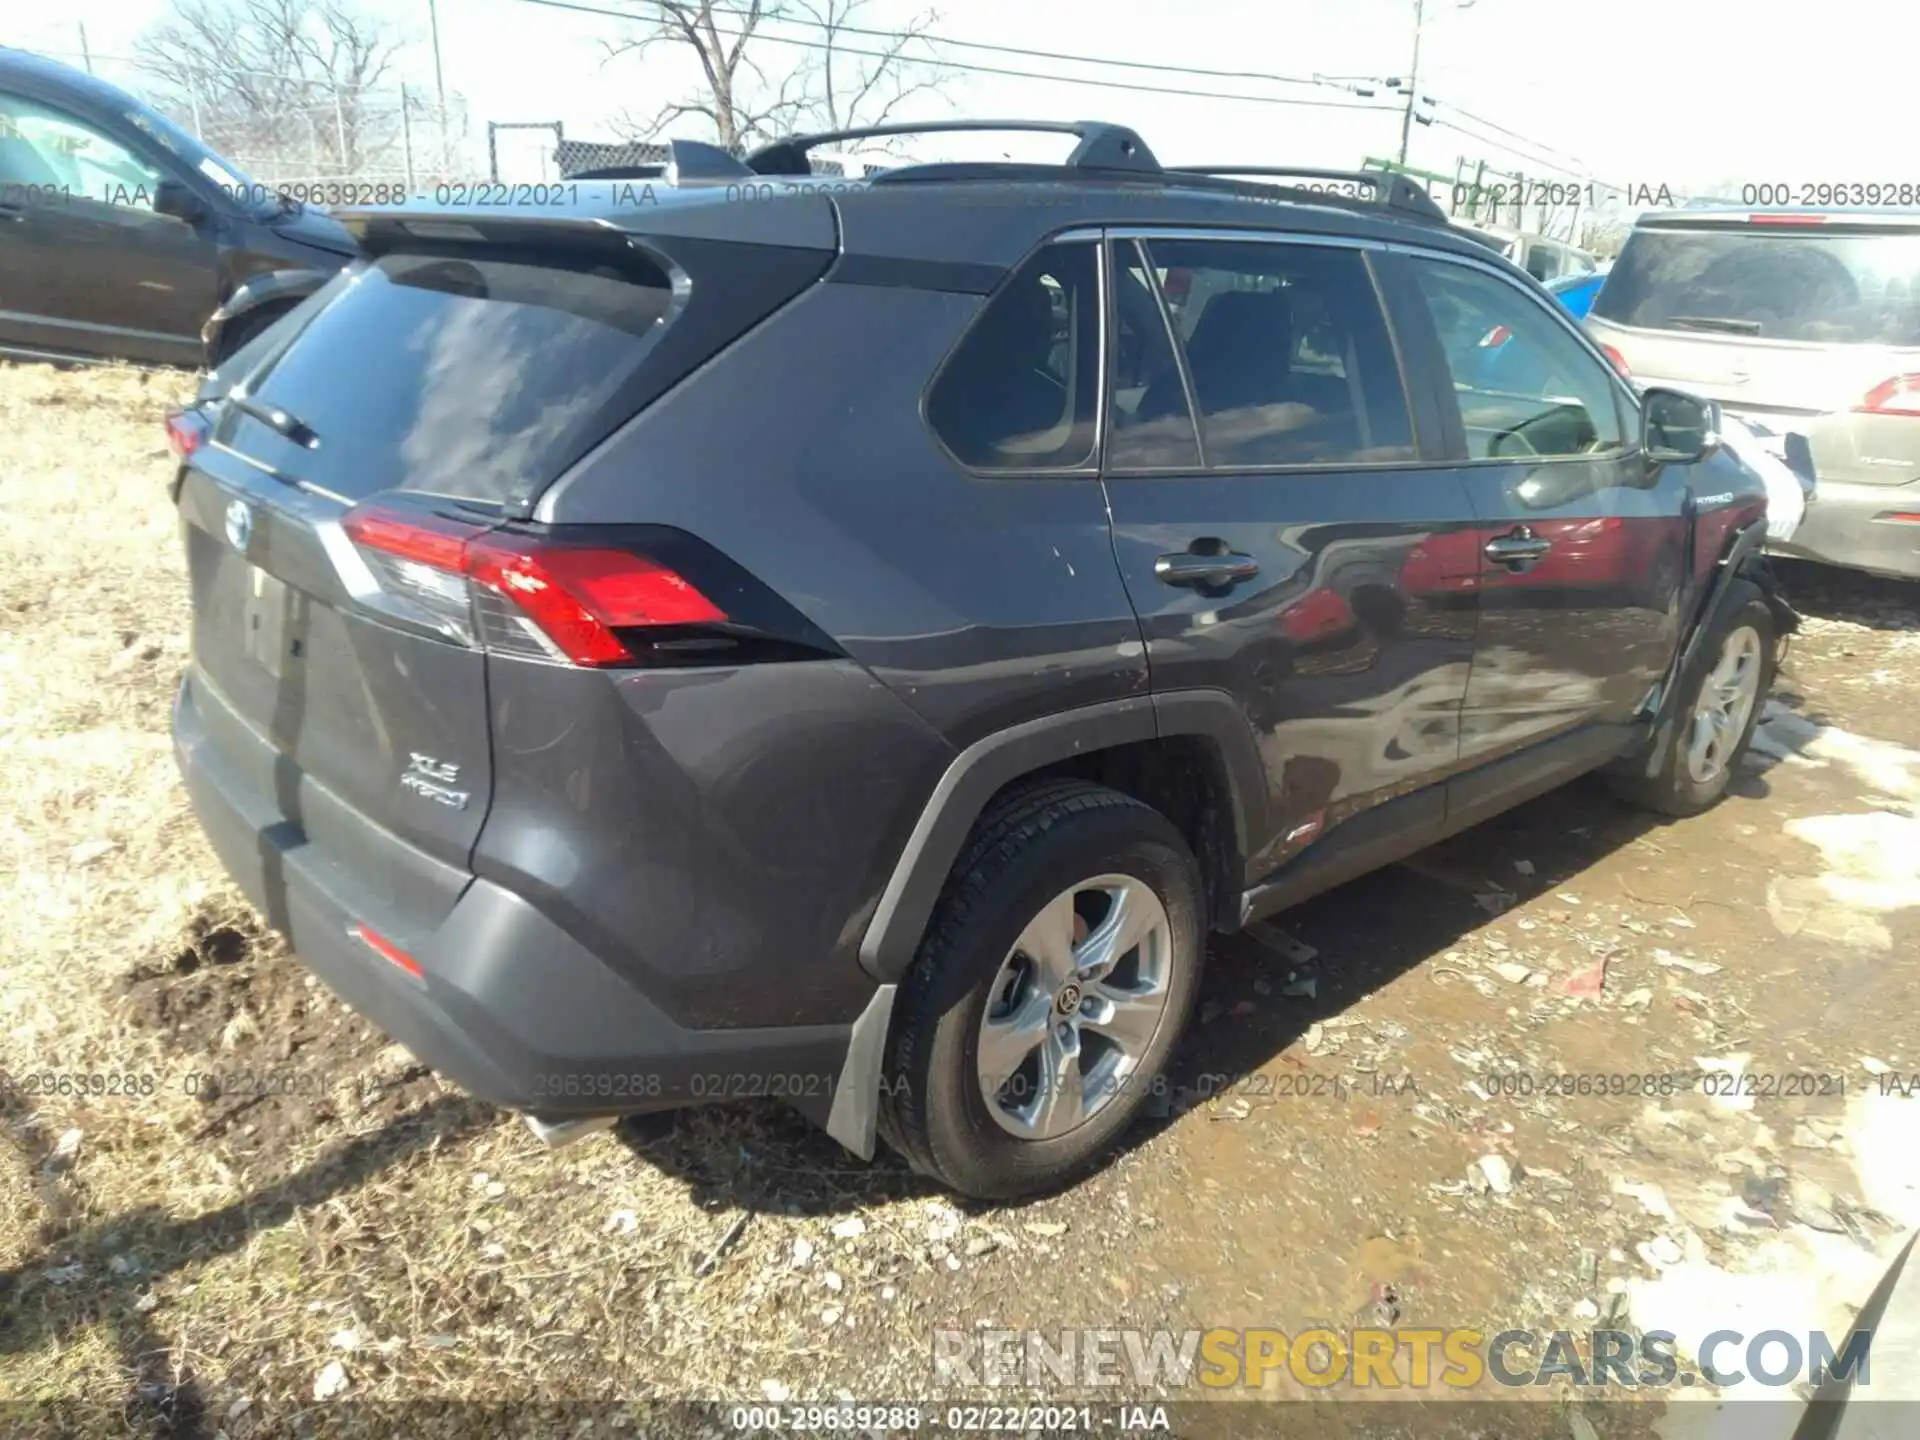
x=508, y=1005
x=1840, y=528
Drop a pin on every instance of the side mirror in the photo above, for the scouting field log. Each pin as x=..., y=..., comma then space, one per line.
x=173, y=197
x=1677, y=428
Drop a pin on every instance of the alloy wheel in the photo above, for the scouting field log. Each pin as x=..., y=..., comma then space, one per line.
x=1075, y=1006
x=1727, y=698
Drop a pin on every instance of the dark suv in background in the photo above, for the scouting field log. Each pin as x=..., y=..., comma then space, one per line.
x=123, y=237
x=851, y=641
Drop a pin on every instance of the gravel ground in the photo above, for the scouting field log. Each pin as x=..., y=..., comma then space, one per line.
x=273, y=1215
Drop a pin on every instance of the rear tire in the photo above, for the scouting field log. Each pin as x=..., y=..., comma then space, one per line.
x=1061, y=858
x=1717, y=707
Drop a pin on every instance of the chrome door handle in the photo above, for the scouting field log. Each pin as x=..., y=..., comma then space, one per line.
x=1187, y=568
x=1521, y=547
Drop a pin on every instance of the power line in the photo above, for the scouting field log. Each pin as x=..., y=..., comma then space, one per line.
x=1515, y=135
x=1089, y=81
x=1505, y=148
x=1581, y=174
x=930, y=38
x=977, y=69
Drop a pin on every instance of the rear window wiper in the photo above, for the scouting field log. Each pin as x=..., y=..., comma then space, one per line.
x=1715, y=322
x=274, y=418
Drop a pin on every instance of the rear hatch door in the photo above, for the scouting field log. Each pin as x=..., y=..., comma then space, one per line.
x=1794, y=322
x=449, y=377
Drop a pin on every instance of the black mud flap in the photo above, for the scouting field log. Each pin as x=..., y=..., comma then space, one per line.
x=1745, y=560
x=1759, y=569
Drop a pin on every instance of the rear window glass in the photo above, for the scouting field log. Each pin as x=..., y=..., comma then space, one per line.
x=1778, y=283
x=449, y=375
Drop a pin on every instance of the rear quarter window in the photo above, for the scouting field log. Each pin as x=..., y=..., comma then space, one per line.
x=1021, y=390
x=465, y=375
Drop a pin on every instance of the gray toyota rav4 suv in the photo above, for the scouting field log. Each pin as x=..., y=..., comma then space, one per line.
x=851, y=642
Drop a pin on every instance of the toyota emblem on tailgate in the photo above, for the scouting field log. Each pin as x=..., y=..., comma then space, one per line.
x=239, y=525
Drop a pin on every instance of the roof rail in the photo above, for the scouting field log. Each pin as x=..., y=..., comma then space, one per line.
x=1102, y=146
x=1395, y=192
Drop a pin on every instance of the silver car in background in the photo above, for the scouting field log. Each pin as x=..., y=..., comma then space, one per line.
x=1806, y=325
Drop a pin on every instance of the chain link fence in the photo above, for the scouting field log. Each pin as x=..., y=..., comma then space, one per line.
x=295, y=134
x=385, y=136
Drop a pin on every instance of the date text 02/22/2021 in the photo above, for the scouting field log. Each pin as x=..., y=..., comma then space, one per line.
x=908, y=1418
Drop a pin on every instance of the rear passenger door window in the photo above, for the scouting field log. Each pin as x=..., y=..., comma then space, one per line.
x=1152, y=420
x=1287, y=354
x=1020, y=393
x=1526, y=386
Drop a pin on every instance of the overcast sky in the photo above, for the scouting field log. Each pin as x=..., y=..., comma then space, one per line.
x=1644, y=92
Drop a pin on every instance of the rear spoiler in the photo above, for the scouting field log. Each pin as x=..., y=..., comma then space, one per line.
x=378, y=232
x=688, y=162
x=610, y=213
x=1787, y=217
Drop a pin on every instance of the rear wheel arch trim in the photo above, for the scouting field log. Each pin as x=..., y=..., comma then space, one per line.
x=1216, y=716
x=984, y=768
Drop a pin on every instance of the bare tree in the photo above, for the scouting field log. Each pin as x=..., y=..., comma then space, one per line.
x=842, y=74
x=281, y=84
x=1603, y=238
x=853, y=81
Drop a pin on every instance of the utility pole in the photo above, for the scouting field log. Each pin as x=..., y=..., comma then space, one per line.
x=85, y=54
x=439, y=87
x=1413, y=82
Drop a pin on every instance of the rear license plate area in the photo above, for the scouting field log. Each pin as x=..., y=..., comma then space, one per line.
x=266, y=621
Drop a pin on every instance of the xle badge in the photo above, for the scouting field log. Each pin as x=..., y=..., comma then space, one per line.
x=433, y=779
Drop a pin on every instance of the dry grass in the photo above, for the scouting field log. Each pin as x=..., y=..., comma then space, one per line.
x=189, y=1254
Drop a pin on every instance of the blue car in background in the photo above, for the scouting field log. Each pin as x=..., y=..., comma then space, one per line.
x=1576, y=292
x=1493, y=363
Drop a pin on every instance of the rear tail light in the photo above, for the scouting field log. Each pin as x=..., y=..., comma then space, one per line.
x=578, y=598
x=1899, y=395
x=1495, y=338
x=523, y=596
x=186, y=432
x=1617, y=360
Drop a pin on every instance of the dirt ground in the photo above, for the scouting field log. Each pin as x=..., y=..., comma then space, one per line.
x=266, y=1213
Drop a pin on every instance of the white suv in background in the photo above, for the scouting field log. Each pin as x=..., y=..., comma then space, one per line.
x=1805, y=325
